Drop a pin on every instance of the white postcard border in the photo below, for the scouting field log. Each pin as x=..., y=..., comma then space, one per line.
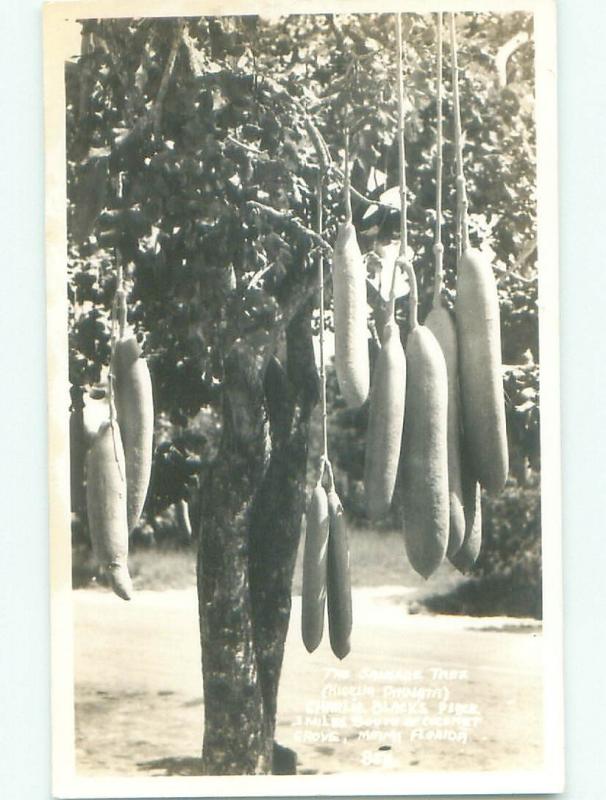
x=58, y=17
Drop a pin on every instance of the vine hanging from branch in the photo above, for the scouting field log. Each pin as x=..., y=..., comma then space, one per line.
x=403, y=261
x=462, y=230
x=319, y=223
x=438, y=247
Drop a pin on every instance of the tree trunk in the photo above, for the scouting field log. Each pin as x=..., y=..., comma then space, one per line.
x=279, y=507
x=252, y=503
x=233, y=732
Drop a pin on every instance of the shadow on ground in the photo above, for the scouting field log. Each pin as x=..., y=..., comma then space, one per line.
x=173, y=766
x=284, y=763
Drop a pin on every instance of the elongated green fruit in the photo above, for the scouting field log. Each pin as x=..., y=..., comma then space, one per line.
x=135, y=412
x=338, y=580
x=469, y=551
x=350, y=313
x=385, y=423
x=424, y=458
x=441, y=324
x=479, y=335
x=313, y=593
x=106, y=505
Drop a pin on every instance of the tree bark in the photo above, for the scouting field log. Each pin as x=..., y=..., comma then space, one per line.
x=234, y=741
x=249, y=536
x=279, y=506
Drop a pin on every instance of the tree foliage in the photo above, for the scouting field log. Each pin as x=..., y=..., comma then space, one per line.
x=160, y=172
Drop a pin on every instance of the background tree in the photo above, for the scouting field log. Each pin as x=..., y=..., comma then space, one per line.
x=193, y=153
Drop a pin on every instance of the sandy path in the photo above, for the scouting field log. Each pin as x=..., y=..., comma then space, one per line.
x=139, y=692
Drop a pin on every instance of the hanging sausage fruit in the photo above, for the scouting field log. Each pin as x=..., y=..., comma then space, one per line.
x=106, y=488
x=106, y=505
x=118, y=462
x=388, y=392
x=479, y=335
x=423, y=464
x=326, y=567
x=338, y=579
x=349, y=301
x=135, y=412
x=440, y=322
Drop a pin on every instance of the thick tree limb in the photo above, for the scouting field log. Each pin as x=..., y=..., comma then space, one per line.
x=298, y=292
x=505, y=52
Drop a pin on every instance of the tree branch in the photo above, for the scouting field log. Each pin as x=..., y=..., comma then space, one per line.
x=504, y=272
x=321, y=148
x=113, y=54
x=358, y=195
x=337, y=32
x=153, y=115
x=166, y=75
x=505, y=52
x=288, y=220
x=249, y=148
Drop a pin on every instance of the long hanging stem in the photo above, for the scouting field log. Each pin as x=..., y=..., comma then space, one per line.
x=115, y=332
x=462, y=229
x=402, y=259
x=122, y=309
x=120, y=297
x=413, y=296
x=122, y=313
x=402, y=145
x=331, y=476
x=346, y=188
x=110, y=377
x=438, y=247
x=319, y=223
x=401, y=166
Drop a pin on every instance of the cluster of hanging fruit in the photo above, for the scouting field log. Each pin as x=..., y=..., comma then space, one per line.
x=119, y=442
x=436, y=430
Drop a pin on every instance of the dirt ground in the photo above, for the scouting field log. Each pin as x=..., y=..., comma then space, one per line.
x=417, y=692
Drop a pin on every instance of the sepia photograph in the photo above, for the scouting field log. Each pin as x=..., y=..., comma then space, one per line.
x=303, y=398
